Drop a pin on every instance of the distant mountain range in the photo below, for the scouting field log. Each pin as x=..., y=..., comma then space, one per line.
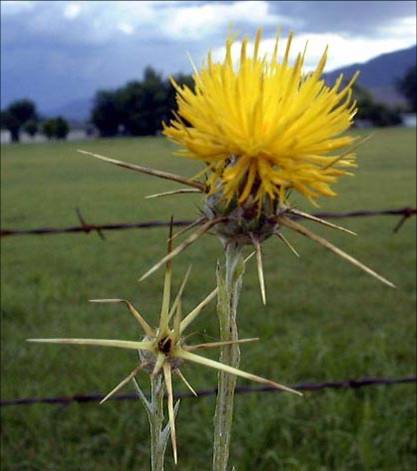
x=77, y=111
x=378, y=75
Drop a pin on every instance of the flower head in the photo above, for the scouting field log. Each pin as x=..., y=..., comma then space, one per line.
x=265, y=127
x=262, y=128
x=163, y=349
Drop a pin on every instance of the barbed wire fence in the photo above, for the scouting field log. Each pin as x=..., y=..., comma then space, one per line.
x=403, y=213
x=311, y=387
x=84, y=227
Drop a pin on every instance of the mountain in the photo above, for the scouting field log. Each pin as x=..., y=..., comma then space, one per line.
x=379, y=75
x=76, y=110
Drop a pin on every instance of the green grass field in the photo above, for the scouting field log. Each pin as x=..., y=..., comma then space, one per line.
x=324, y=319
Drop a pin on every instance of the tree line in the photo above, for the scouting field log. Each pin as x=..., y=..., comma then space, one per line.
x=22, y=115
x=139, y=107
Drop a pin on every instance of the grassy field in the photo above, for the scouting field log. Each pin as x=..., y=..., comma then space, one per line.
x=324, y=319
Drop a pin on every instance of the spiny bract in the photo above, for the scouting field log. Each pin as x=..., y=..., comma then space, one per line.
x=163, y=349
x=264, y=126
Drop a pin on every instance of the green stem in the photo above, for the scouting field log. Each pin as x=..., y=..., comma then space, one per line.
x=229, y=281
x=156, y=421
x=155, y=411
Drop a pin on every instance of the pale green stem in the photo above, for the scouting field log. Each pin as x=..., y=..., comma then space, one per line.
x=155, y=412
x=156, y=422
x=229, y=282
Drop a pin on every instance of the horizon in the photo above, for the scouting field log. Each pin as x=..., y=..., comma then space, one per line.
x=54, y=54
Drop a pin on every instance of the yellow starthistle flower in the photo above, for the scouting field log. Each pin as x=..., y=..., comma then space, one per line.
x=163, y=349
x=264, y=127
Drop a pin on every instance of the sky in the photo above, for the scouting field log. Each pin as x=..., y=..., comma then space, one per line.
x=56, y=52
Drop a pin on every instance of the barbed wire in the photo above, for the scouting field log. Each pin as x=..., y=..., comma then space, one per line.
x=84, y=227
x=312, y=387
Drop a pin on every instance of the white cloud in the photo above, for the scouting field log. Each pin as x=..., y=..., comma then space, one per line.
x=176, y=20
x=72, y=10
x=197, y=21
x=142, y=11
x=126, y=28
x=343, y=50
x=404, y=28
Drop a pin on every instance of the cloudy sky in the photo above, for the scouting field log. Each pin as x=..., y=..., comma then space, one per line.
x=57, y=52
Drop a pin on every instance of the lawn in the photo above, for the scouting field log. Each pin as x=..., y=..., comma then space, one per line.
x=324, y=320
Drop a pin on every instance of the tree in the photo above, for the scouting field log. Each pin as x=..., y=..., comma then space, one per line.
x=407, y=86
x=48, y=128
x=144, y=104
x=106, y=112
x=130, y=102
x=10, y=122
x=377, y=113
x=31, y=127
x=139, y=107
x=55, y=128
x=61, y=128
x=16, y=115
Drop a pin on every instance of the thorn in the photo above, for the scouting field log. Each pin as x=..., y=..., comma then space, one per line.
x=166, y=298
x=328, y=245
x=196, y=311
x=174, y=192
x=177, y=299
x=148, y=171
x=287, y=243
x=321, y=221
x=129, y=377
x=158, y=364
x=142, y=397
x=234, y=371
x=184, y=380
x=219, y=344
x=190, y=226
x=194, y=236
x=145, y=326
x=249, y=257
x=260, y=268
x=171, y=413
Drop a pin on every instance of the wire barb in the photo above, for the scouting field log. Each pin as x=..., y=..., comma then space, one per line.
x=408, y=212
x=88, y=227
